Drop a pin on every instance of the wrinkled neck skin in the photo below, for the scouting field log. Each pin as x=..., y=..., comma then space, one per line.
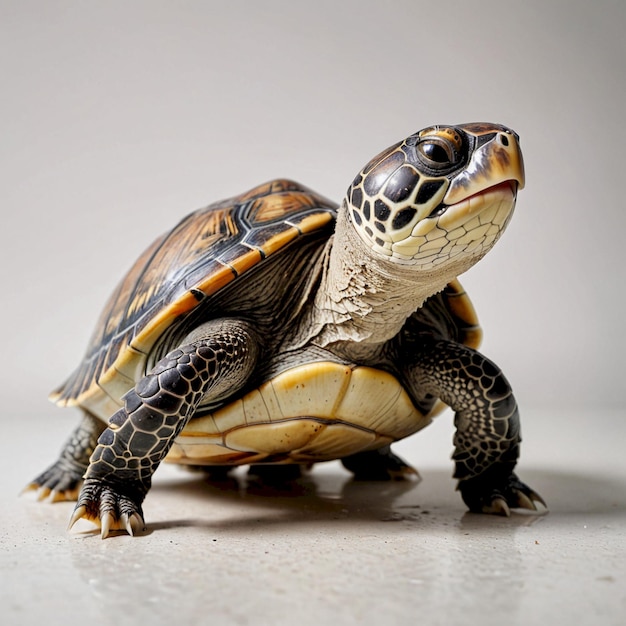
x=363, y=299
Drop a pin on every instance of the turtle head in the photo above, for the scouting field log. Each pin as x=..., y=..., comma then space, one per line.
x=442, y=196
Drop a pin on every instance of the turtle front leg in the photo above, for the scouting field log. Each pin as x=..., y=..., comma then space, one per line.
x=62, y=480
x=487, y=424
x=215, y=361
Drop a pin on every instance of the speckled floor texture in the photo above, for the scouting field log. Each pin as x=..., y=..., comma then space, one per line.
x=327, y=550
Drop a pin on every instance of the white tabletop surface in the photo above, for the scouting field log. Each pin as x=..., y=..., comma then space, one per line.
x=328, y=550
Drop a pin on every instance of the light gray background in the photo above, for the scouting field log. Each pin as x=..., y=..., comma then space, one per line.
x=118, y=118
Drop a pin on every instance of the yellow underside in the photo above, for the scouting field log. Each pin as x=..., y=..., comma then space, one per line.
x=314, y=412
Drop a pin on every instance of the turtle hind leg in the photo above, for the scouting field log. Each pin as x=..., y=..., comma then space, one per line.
x=63, y=479
x=213, y=473
x=381, y=464
x=275, y=474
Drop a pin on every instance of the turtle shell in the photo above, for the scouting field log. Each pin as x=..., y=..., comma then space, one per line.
x=206, y=251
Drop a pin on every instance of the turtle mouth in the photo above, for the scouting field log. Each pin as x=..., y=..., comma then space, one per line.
x=476, y=200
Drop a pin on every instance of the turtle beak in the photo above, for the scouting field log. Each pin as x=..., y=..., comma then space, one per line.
x=495, y=161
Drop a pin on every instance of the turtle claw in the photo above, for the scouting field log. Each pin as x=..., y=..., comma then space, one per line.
x=498, y=506
x=108, y=509
x=132, y=523
x=137, y=523
x=59, y=483
x=42, y=493
x=497, y=494
x=535, y=497
x=107, y=522
x=79, y=513
x=524, y=502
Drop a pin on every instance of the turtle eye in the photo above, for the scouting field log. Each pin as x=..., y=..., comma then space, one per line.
x=437, y=153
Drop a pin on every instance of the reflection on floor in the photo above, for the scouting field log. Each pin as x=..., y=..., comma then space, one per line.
x=324, y=548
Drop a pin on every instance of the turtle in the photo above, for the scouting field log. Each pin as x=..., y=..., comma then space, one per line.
x=278, y=327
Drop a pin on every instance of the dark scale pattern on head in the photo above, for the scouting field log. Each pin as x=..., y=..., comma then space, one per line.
x=366, y=210
x=401, y=184
x=379, y=174
x=427, y=190
x=357, y=197
x=381, y=210
x=384, y=197
x=379, y=157
x=403, y=218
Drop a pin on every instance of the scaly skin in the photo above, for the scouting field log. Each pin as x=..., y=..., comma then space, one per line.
x=141, y=433
x=380, y=464
x=62, y=480
x=487, y=424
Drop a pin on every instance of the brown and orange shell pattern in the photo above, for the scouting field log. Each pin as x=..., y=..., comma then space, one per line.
x=206, y=251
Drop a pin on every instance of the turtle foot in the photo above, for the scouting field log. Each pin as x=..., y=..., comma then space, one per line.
x=59, y=483
x=488, y=494
x=275, y=474
x=213, y=473
x=109, y=509
x=380, y=465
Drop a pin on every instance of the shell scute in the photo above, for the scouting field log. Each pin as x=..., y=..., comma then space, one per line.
x=312, y=412
x=206, y=251
x=464, y=315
